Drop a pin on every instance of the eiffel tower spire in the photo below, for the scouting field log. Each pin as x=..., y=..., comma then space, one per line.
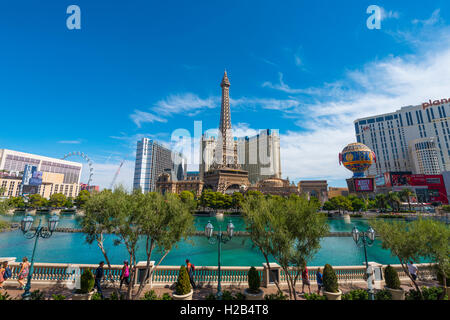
x=228, y=156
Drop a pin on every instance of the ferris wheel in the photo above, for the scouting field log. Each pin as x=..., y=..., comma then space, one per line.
x=86, y=158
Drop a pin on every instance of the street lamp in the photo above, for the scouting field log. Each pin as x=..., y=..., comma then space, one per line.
x=25, y=225
x=221, y=238
x=363, y=239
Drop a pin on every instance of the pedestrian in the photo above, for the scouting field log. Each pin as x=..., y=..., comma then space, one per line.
x=98, y=277
x=413, y=270
x=319, y=277
x=23, y=272
x=190, y=269
x=125, y=276
x=305, y=279
x=2, y=273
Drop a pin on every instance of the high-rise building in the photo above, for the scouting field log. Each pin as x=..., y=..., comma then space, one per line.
x=152, y=159
x=260, y=155
x=424, y=156
x=390, y=135
x=55, y=175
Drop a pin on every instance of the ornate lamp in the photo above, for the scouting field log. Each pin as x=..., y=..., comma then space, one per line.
x=355, y=234
x=26, y=223
x=209, y=230
x=230, y=229
x=53, y=223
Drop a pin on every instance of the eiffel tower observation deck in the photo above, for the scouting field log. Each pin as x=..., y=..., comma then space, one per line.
x=225, y=174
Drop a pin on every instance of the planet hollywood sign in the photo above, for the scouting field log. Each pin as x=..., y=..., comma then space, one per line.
x=435, y=103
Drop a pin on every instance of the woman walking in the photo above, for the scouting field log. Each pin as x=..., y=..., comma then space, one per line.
x=305, y=279
x=125, y=276
x=2, y=273
x=23, y=272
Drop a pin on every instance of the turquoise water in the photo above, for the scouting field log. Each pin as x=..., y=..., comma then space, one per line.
x=72, y=248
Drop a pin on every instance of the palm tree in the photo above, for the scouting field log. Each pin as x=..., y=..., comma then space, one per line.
x=381, y=201
x=407, y=194
x=394, y=200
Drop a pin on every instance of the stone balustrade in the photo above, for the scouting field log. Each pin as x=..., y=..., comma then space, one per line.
x=64, y=273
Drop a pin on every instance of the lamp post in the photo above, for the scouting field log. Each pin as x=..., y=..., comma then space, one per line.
x=221, y=238
x=365, y=239
x=25, y=225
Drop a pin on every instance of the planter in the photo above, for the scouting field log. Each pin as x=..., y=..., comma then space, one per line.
x=332, y=295
x=397, y=294
x=184, y=296
x=253, y=296
x=82, y=296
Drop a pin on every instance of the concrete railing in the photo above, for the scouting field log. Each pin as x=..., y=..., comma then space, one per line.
x=64, y=273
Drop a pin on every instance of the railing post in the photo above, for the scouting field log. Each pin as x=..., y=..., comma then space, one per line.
x=268, y=279
x=378, y=279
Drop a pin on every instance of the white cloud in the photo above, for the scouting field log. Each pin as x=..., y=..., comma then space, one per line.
x=379, y=87
x=389, y=14
x=434, y=19
x=140, y=117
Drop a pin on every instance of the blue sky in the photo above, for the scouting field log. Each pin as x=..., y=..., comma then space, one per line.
x=146, y=68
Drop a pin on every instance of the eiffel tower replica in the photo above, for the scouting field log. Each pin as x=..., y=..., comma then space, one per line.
x=225, y=173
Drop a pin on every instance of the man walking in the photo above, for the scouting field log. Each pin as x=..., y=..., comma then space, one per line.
x=412, y=270
x=98, y=277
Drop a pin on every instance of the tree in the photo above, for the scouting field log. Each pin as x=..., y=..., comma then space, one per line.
x=435, y=238
x=57, y=200
x=341, y=203
x=68, y=203
x=4, y=206
x=406, y=194
x=381, y=202
x=81, y=199
x=16, y=202
x=237, y=199
x=36, y=200
x=402, y=240
x=328, y=206
x=164, y=221
x=99, y=219
x=357, y=203
x=315, y=201
x=394, y=200
x=289, y=230
x=188, y=198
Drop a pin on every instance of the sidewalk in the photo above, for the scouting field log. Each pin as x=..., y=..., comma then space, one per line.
x=199, y=293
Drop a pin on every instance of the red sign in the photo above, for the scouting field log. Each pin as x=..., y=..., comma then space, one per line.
x=434, y=103
x=363, y=185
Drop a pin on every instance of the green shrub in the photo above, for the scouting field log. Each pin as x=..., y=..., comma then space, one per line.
x=183, y=284
x=210, y=296
x=330, y=282
x=37, y=295
x=391, y=278
x=314, y=296
x=254, y=281
x=96, y=296
x=440, y=278
x=86, y=282
x=358, y=294
x=150, y=295
x=431, y=293
x=383, y=295
x=226, y=295
x=58, y=297
x=239, y=296
x=166, y=296
x=5, y=296
x=276, y=296
x=114, y=296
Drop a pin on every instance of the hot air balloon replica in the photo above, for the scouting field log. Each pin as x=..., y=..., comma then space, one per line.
x=357, y=158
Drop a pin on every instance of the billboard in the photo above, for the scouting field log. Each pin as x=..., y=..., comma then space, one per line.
x=380, y=181
x=36, y=179
x=364, y=185
x=28, y=174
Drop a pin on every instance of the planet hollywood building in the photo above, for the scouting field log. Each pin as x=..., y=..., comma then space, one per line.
x=394, y=138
